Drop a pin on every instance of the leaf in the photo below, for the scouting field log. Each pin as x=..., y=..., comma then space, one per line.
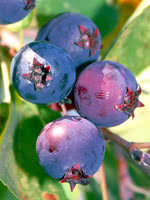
x=19, y=165
x=103, y=14
x=4, y=113
x=5, y=194
x=131, y=47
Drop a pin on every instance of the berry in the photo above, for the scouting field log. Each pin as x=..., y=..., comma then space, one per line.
x=15, y=10
x=70, y=149
x=111, y=95
x=77, y=34
x=42, y=73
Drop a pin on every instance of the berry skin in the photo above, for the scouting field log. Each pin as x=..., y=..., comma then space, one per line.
x=15, y=10
x=77, y=34
x=106, y=93
x=70, y=149
x=42, y=73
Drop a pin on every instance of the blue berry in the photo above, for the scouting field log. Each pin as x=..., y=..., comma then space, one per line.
x=77, y=34
x=42, y=73
x=70, y=149
x=106, y=93
x=12, y=11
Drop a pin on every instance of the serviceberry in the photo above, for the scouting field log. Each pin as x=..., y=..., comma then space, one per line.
x=42, y=73
x=70, y=149
x=12, y=11
x=77, y=34
x=106, y=93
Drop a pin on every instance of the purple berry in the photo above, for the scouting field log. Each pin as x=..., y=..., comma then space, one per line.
x=42, y=73
x=106, y=93
x=71, y=149
x=12, y=11
x=77, y=34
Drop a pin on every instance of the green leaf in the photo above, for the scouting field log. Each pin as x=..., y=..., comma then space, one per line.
x=5, y=194
x=131, y=48
x=23, y=24
x=103, y=14
x=19, y=165
x=4, y=113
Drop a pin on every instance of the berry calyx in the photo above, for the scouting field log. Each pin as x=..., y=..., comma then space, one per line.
x=75, y=176
x=30, y=4
x=39, y=75
x=130, y=102
x=88, y=40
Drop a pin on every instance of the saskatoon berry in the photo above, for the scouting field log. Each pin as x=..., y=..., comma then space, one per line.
x=42, y=73
x=12, y=11
x=77, y=34
x=107, y=93
x=70, y=149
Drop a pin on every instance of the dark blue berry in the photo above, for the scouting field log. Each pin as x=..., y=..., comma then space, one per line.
x=71, y=149
x=77, y=34
x=12, y=11
x=42, y=73
x=106, y=93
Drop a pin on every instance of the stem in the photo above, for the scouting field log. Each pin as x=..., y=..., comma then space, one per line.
x=115, y=138
x=127, y=146
x=103, y=183
x=132, y=148
x=64, y=109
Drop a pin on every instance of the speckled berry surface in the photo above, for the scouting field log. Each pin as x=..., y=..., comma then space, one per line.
x=107, y=93
x=77, y=34
x=12, y=11
x=42, y=73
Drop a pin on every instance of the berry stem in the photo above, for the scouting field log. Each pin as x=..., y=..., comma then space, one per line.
x=103, y=183
x=64, y=109
x=128, y=146
x=115, y=138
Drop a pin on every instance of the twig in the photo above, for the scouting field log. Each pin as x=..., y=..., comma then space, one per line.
x=132, y=148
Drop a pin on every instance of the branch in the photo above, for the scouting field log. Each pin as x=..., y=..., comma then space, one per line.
x=132, y=148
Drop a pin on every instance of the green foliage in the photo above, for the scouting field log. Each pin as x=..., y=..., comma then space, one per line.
x=104, y=15
x=131, y=48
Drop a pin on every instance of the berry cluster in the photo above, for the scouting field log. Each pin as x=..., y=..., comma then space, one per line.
x=62, y=61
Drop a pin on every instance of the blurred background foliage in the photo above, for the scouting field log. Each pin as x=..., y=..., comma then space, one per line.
x=125, y=28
